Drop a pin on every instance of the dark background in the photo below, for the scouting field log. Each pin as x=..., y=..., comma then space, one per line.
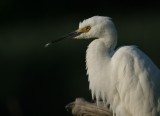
x=38, y=81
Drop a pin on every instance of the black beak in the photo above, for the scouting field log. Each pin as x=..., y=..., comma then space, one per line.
x=70, y=35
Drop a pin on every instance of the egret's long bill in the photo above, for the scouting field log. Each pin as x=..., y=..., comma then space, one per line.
x=70, y=35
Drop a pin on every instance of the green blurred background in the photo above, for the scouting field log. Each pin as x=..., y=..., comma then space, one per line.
x=38, y=81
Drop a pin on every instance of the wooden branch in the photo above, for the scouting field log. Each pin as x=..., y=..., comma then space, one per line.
x=80, y=107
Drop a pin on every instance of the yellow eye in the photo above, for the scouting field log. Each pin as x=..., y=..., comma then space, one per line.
x=85, y=29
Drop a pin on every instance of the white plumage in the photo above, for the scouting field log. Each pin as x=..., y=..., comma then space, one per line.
x=126, y=78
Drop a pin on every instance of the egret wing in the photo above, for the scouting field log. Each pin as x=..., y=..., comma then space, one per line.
x=136, y=81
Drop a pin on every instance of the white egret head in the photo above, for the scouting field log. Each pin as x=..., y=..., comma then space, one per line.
x=94, y=27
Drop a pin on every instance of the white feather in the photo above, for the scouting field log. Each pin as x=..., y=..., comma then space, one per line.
x=126, y=78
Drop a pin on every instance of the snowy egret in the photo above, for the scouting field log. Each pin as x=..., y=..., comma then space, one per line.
x=125, y=78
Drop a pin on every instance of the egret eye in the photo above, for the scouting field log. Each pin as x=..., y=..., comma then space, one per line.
x=88, y=28
x=85, y=29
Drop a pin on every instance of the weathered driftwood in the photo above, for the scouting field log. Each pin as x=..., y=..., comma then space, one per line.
x=80, y=107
